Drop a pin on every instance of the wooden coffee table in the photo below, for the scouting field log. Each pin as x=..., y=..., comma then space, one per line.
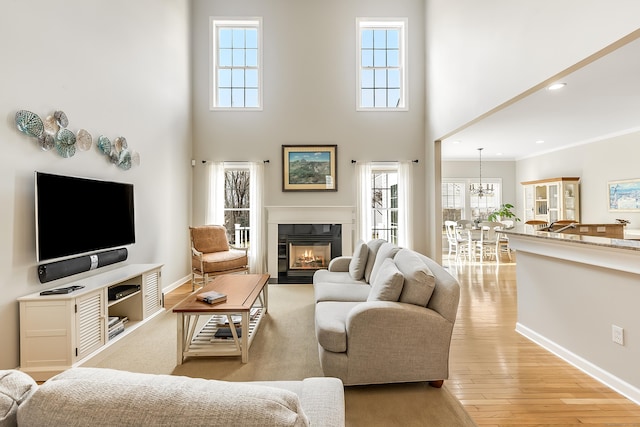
x=246, y=304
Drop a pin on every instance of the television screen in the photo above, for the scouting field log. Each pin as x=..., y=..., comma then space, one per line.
x=76, y=216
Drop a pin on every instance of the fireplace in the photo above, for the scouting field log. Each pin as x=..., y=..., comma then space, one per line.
x=305, y=248
x=305, y=216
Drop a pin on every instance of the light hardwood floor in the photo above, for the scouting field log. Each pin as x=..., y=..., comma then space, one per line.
x=502, y=378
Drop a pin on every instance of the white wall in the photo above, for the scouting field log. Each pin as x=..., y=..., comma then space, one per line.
x=596, y=163
x=309, y=97
x=115, y=67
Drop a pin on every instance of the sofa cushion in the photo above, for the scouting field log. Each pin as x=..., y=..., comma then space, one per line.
x=387, y=250
x=373, y=246
x=107, y=397
x=419, y=281
x=335, y=277
x=331, y=324
x=15, y=388
x=341, y=292
x=359, y=260
x=387, y=284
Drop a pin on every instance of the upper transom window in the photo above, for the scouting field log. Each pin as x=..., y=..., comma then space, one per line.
x=237, y=64
x=381, y=64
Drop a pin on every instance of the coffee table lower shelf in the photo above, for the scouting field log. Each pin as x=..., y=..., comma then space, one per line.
x=201, y=340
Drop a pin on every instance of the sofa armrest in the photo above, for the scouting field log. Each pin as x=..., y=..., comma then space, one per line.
x=382, y=329
x=340, y=263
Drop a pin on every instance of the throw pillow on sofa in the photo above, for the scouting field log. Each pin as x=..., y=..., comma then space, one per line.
x=387, y=285
x=419, y=281
x=374, y=246
x=358, y=261
x=387, y=250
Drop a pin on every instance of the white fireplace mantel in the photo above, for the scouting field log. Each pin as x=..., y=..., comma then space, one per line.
x=277, y=215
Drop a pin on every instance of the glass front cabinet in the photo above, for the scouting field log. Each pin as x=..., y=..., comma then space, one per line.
x=552, y=199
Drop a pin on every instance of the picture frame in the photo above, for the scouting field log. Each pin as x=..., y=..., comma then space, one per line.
x=624, y=195
x=309, y=168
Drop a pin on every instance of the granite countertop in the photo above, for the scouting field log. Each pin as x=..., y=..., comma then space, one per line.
x=524, y=230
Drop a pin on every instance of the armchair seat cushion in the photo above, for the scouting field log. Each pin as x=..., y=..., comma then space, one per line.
x=232, y=259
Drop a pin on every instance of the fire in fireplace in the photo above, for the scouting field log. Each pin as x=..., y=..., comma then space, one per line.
x=309, y=257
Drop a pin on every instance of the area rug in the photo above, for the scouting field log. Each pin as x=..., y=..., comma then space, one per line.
x=284, y=349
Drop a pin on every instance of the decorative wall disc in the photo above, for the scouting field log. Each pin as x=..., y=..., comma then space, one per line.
x=29, y=123
x=65, y=150
x=66, y=137
x=46, y=141
x=61, y=118
x=83, y=140
x=125, y=160
x=104, y=145
x=120, y=144
x=51, y=125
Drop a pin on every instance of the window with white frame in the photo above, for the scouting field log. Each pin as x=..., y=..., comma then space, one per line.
x=458, y=202
x=236, y=74
x=382, y=83
x=384, y=204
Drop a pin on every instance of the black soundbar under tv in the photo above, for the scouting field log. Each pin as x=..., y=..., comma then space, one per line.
x=69, y=267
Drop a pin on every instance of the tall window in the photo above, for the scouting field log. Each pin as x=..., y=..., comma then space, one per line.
x=453, y=201
x=235, y=199
x=237, y=63
x=236, y=205
x=384, y=202
x=381, y=64
x=384, y=205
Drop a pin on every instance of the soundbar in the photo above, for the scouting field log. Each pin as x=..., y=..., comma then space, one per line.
x=69, y=267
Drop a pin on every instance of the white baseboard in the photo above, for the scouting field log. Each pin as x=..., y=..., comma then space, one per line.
x=606, y=378
x=176, y=284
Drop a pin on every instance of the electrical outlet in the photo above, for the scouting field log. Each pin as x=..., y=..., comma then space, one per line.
x=617, y=334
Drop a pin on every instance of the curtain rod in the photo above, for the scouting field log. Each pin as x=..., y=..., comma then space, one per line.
x=383, y=161
x=233, y=161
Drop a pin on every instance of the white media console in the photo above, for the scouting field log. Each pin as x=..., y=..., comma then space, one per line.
x=60, y=331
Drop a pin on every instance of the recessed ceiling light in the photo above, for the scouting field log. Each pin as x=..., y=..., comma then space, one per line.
x=557, y=86
x=539, y=141
x=457, y=141
x=498, y=154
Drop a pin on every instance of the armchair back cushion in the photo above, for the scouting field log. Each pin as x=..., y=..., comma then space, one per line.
x=210, y=238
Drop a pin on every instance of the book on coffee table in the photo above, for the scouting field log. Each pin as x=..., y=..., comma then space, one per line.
x=211, y=297
x=226, y=333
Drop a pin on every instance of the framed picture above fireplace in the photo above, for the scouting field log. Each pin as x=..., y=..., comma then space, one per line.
x=309, y=168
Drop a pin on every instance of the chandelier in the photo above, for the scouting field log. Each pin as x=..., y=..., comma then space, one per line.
x=481, y=191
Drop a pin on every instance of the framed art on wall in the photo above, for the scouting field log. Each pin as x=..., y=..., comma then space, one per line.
x=624, y=196
x=309, y=168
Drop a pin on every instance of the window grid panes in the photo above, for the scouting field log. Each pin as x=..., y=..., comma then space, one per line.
x=384, y=204
x=236, y=205
x=458, y=203
x=381, y=65
x=237, y=64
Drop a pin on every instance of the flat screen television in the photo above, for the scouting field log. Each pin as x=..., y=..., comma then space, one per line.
x=77, y=216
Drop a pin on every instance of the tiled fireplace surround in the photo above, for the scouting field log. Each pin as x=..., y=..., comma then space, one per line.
x=277, y=215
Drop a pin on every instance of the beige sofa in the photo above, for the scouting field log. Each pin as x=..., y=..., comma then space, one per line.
x=107, y=397
x=385, y=315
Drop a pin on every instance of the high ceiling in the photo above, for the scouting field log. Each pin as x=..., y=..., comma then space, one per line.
x=601, y=99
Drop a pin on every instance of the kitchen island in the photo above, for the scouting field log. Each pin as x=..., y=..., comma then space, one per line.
x=574, y=291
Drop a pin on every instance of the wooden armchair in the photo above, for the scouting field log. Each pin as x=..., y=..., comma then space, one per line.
x=212, y=256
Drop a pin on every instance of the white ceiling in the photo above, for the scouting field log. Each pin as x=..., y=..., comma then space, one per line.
x=601, y=99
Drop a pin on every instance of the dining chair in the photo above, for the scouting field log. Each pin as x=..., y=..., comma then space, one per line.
x=488, y=244
x=456, y=241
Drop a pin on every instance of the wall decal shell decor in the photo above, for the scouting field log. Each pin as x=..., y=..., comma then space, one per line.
x=52, y=133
